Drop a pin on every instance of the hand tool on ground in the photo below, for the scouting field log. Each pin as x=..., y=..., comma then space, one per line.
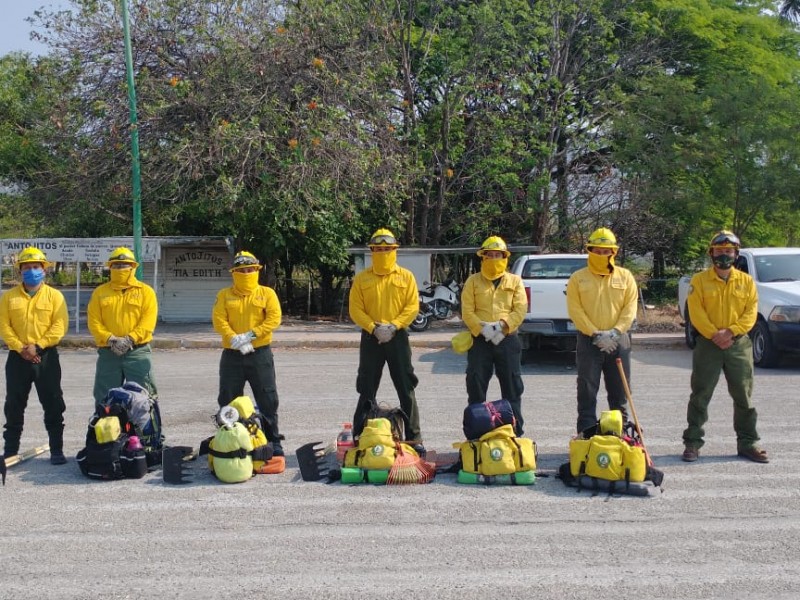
x=10, y=461
x=633, y=410
x=316, y=463
x=174, y=464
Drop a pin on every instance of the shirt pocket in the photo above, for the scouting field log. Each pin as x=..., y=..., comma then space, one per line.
x=259, y=302
x=399, y=285
x=134, y=299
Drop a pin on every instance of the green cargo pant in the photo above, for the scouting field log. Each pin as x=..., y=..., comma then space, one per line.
x=736, y=363
x=112, y=370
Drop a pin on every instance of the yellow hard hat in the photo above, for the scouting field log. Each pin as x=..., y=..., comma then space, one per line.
x=461, y=342
x=602, y=238
x=725, y=238
x=31, y=254
x=245, y=259
x=122, y=255
x=494, y=242
x=383, y=237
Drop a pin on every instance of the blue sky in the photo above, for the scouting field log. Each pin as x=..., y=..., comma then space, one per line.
x=15, y=31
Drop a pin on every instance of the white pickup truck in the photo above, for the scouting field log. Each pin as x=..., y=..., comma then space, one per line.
x=545, y=278
x=776, y=272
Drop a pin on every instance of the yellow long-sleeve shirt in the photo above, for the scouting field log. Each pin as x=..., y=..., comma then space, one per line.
x=392, y=298
x=235, y=313
x=602, y=302
x=130, y=312
x=482, y=301
x=716, y=304
x=40, y=319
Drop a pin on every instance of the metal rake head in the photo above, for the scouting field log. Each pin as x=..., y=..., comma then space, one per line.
x=315, y=463
x=175, y=464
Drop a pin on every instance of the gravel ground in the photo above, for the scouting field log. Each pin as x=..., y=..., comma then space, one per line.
x=722, y=528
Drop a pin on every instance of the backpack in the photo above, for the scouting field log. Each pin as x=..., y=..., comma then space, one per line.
x=609, y=452
x=377, y=447
x=107, y=454
x=133, y=404
x=252, y=421
x=239, y=449
x=498, y=452
x=483, y=417
x=396, y=417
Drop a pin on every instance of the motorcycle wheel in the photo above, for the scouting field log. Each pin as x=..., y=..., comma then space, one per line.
x=421, y=323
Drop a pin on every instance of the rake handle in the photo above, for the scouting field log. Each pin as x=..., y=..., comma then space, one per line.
x=629, y=397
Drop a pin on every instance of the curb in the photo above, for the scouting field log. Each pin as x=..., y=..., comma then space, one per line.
x=179, y=343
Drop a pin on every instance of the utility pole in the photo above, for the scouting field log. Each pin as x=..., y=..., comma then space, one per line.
x=134, y=128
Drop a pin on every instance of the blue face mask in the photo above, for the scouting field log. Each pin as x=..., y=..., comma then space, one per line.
x=33, y=277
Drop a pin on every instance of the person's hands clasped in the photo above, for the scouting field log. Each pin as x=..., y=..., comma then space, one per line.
x=490, y=330
x=30, y=354
x=239, y=340
x=120, y=345
x=723, y=339
x=607, y=340
x=384, y=332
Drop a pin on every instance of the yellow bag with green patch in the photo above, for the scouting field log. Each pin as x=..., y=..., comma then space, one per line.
x=498, y=452
x=607, y=457
x=376, y=447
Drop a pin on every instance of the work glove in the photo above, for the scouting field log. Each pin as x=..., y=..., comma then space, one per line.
x=241, y=339
x=384, y=332
x=498, y=337
x=489, y=330
x=607, y=340
x=120, y=345
x=246, y=348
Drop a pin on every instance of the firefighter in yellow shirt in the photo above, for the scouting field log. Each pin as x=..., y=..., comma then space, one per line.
x=384, y=301
x=245, y=315
x=33, y=319
x=493, y=305
x=122, y=317
x=601, y=301
x=723, y=307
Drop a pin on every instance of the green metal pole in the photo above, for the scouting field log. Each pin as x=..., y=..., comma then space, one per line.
x=135, y=170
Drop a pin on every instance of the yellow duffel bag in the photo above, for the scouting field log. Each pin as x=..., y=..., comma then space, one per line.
x=498, y=452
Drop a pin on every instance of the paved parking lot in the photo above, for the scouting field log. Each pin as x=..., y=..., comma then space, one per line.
x=722, y=528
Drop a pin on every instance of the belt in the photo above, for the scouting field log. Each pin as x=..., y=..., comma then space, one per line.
x=137, y=346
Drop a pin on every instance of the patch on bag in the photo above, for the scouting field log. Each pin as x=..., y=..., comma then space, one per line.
x=603, y=460
x=377, y=450
x=496, y=454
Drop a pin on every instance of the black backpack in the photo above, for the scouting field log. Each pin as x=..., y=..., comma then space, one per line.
x=111, y=460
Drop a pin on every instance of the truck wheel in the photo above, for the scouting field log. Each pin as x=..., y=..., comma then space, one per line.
x=688, y=331
x=421, y=323
x=765, y=354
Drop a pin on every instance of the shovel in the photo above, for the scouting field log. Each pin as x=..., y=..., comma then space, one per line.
x=174, y=464
x=317, y=464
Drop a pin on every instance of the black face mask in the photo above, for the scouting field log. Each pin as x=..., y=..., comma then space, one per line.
x=723, y=261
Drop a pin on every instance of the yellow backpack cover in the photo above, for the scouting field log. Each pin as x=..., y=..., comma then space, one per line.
x=498, y=452
x=107, y=429
x=376, y=447
x=234, y=469
x=246, y=409
x=607, y=457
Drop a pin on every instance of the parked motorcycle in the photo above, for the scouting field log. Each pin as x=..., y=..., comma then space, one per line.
x=437, y=302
